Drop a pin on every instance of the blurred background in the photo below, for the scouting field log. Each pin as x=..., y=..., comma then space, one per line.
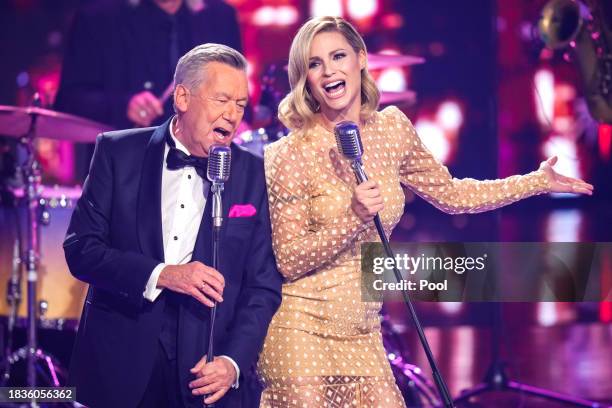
x=488, y=99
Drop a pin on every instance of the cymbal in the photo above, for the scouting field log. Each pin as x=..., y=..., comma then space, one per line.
x=390, y=98
x=380, y=61
x=15, y=121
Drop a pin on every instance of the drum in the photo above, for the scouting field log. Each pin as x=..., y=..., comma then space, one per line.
x=60, y=295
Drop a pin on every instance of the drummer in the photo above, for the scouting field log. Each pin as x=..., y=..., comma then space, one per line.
x=124, y=85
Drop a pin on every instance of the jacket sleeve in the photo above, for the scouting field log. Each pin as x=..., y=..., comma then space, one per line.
x=87, y=247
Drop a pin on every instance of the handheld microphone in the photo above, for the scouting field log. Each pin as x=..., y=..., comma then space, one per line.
x=218, y=172
x=219, y=162
x=349, y=144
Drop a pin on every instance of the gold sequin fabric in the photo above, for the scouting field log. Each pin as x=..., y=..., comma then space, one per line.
x=324, y=347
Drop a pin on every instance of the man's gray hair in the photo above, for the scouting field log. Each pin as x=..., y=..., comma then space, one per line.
x=189, y=68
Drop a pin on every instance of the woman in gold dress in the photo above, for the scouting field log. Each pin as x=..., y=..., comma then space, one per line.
x=324, y=346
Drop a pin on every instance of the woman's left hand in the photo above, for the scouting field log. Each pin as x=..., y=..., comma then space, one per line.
x=563, y=184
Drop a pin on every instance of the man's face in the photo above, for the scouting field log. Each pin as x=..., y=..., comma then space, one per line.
x=211, y=113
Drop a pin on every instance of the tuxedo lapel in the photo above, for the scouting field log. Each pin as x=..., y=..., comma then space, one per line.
x=203, y=245
x=149, y=217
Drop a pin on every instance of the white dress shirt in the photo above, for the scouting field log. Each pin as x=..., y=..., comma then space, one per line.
x=183, y=194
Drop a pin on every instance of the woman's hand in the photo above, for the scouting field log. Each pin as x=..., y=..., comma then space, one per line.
x=563, y=184
x=367, y=201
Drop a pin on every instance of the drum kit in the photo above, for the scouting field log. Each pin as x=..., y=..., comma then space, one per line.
x=35, y=218
x=54, y=298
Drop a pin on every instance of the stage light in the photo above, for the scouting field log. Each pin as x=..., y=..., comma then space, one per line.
x=264, y=16
x=547, y=314
x=544, y=96
x=604, y=136
x=277, y=16
x=564, y=225
x=286, y=15
x=360, y=9
x=391, y=80
x=451, y=308
x=449, y=116
x=434, y=139
x=321, y=8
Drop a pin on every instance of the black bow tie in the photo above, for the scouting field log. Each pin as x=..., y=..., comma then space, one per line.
x=176, y=159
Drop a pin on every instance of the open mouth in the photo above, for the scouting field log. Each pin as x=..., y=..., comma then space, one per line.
x=223, y=133
x=334, y=88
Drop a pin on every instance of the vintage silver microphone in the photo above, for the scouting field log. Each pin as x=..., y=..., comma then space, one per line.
x=217, y=172
x=349, y=145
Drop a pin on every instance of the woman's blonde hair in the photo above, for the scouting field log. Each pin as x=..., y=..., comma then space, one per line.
x=297, y=109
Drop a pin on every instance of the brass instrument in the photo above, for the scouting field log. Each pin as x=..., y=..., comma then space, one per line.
x=586, y=29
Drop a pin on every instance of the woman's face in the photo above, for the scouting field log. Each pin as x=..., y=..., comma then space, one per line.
x=334, y=76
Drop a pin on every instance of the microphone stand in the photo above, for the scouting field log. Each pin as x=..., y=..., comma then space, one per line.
x=217, y=216
x=437, y=376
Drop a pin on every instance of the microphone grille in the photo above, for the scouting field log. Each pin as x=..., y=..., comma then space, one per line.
x=348, y=140
x=219, y=161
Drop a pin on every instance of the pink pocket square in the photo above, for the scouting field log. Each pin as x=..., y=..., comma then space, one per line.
x=242, y=210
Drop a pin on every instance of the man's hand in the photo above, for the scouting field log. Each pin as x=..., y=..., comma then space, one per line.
x=367, y=201
x=213, y=379
x=195, y=279
x=143, y=108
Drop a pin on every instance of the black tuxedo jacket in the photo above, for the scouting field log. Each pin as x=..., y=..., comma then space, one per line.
x=114, y=242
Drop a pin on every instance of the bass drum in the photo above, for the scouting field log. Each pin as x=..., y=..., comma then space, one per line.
x=60, y=295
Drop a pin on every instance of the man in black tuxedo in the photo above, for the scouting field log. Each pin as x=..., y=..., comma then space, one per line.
x=141, y=237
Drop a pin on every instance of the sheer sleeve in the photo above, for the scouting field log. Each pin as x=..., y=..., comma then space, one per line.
x=299, y=244
x=431, y=180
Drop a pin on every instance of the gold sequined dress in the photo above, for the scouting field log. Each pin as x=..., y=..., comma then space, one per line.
x=324, y=347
